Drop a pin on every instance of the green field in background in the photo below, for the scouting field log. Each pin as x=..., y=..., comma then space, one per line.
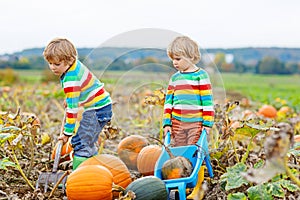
x=265, y=88
x=258, y=88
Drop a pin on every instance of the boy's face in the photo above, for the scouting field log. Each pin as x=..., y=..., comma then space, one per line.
x=182, y=64
x=58, y=68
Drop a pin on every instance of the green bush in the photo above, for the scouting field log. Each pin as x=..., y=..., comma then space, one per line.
x=8, y=76
x=48, y=76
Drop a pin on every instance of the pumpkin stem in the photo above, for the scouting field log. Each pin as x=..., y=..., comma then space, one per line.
x=166, y=147
x=117, y=188
x=130, y=195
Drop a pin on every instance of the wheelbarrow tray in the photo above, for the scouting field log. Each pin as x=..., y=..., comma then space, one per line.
x=189, y=152
x=195, y=153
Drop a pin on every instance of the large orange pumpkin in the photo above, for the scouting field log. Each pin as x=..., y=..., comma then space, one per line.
x=66, y=149
x=268, y=111
x=147, y=158
x=129, y=148
x=93, y=182
x=120, y=173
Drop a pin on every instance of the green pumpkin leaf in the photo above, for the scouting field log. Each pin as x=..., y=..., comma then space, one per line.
x=278, y=177
x=6, y=136
x=233, y=177
x=289, y=185
x=5, y=162
x=259, y=192
x=251, y=130
x=259, y=164
x=237, y=196
x=275, y=189
x=247, y=131
x=9, y=129
x=295, y=150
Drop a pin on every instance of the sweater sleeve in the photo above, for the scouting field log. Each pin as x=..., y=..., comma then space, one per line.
x=72, y=99
x=72, y=88
x=168, y=105
x=206, y=96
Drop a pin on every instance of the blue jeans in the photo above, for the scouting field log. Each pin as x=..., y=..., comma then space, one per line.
x=92, y=122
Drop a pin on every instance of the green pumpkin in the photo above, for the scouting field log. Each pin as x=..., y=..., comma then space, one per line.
x=176, y=167
x=148, y=188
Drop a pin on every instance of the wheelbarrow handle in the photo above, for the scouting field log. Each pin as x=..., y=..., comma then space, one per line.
x=204, y=137
x=167, y=138
x=59, y=147
x=57, y=155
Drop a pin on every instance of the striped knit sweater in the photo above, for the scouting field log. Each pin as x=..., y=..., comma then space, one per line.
x=81, y=88
x=189, y=98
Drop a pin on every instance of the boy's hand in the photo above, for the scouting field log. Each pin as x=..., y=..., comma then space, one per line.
x=65, y=103
x=207, y=129
x=167, y=129
x=64, y=138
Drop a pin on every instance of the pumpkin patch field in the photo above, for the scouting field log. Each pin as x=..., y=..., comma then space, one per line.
x=254, y=144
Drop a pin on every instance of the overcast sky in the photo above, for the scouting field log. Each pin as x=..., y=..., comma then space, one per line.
x=91, y=23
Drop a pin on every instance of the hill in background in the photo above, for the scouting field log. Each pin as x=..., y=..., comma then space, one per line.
x=244, y=59
x=239, y=54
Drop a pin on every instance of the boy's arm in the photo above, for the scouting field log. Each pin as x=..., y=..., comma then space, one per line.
x=168, y=105
x=72, y=88
x=206, y=96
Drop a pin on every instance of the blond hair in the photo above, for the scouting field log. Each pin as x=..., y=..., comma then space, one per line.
x=186, y=47
x=60, y=49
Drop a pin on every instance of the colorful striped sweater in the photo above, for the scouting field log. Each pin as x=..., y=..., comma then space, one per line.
x=82, y=89
x=189, y=98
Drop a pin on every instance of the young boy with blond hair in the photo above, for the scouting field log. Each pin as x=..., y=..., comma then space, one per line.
x=83, y=90
x=188, y=107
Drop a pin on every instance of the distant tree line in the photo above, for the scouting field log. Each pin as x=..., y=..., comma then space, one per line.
x=267, y=65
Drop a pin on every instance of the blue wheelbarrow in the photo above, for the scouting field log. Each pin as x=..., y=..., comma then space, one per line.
x=195, y=153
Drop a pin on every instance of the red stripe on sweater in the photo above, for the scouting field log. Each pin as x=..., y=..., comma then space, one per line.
x=92, y=97
x=205, y=87
x=88, y=79
x=178, y=111
x=170, y=87
x=168, y=110
x=208, y=113
x=72, y=89
x=187, y=87
x=71, y=115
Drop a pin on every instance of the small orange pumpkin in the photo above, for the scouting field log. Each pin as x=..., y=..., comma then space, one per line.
x=91, y=182
x=120, y=173
x=285, y=110
x=268, y=111
x=129, y=148
x=66, y=149
x=297, y=138
x=147, y=158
